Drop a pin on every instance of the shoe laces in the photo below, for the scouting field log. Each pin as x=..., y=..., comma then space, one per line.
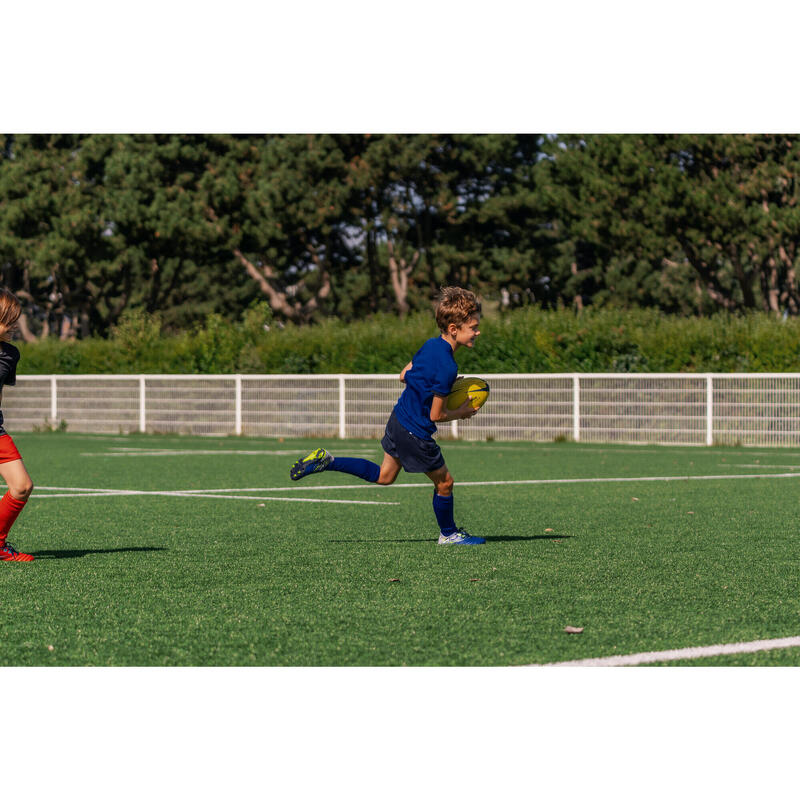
x=7, y=548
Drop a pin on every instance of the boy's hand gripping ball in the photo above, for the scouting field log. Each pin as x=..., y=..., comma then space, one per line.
x=476, y=390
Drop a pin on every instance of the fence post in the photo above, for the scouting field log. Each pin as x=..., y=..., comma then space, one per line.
x=454, y=428
x=142, y=408
x=237, y=424
x=709, y=410
x=53, y=400
x=576, y=408
x=342, y=415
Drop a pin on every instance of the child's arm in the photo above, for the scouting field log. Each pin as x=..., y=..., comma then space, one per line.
x=406, y=368
x=440, y=412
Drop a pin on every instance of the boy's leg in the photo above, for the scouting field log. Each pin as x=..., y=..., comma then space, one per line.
x=390, y=469
x=13, y=501
x=443, y=509
x=443, y=499
x=319, y=460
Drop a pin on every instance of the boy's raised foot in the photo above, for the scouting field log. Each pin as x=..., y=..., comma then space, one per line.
x=460, y=536
x=8, y=553
x=315, y=461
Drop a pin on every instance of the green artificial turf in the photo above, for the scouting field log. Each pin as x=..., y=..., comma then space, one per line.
x=168, y=580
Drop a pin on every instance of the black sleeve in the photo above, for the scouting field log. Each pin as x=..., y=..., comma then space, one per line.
x=9, y=356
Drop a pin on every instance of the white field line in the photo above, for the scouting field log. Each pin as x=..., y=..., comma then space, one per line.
x=357, y=448
x=766, y=466
x=685, y=653
x=629, y=448
x=505, y=483
x=109, y=493
x=200, y=493
x=284, y=499
x=236, y=493
x=73, y=489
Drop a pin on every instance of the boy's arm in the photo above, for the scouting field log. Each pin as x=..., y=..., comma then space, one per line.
x=440, y=412
x=406, y=368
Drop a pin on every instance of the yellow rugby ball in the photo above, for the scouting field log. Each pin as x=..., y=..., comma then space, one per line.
x=476, y=390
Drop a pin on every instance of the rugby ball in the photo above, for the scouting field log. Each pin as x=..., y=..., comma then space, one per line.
x=476, y=390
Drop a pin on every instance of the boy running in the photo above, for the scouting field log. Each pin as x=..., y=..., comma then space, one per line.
x=408, y=441
x=12, y=470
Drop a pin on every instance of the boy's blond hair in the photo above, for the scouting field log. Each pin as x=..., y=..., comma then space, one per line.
x=455, y=306
x=10, y=309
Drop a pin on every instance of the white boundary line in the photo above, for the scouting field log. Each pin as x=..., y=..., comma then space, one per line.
x=764, y=466
x=502, y=483
x=130, y=452
x=213, y=494
x=283, y=499
x=234, y=494
x=74, y=489
x=655, y=656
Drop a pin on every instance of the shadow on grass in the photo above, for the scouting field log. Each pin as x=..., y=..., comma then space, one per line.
x=489, y=539
x=81, y=553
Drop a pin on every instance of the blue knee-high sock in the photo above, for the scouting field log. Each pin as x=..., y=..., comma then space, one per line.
x=360, y=467
x=443, y=508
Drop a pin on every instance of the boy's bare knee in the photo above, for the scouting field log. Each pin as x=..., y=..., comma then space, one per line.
x=445, y=487
x=22, y=491
x=386, y=478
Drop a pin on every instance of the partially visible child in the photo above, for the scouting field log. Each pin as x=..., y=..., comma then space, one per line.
x=408, y=442
x=12, y=470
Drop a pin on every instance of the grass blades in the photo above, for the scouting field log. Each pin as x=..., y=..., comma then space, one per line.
x=160, y=579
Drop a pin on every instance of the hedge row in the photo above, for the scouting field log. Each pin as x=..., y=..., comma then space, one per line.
x=527, y=340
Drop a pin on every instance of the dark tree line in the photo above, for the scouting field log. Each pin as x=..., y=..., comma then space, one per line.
x=347, y=225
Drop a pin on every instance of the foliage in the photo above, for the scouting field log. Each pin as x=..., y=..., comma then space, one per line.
x=343, y=226
x=137, y=330
x=524, y=340
x=688, y=223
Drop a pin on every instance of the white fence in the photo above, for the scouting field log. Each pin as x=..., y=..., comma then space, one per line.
x=725, y=408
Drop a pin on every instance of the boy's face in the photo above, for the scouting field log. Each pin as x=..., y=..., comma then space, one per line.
x=466, y=334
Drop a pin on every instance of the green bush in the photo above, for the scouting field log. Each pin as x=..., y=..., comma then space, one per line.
x=526, y=340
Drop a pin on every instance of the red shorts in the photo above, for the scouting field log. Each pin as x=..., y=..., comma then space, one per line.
x=8, y=450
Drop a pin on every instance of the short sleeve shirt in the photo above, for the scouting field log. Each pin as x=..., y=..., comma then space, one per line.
x=9, y=356
x=433, y=370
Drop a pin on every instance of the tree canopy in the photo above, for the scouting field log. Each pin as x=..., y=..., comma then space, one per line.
x=348, y=225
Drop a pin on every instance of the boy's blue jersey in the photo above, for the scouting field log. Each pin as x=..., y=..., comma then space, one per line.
x=433, y=370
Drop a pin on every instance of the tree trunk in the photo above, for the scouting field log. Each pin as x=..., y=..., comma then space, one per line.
x=25, y=330
x=745, y=278
x=578, y=299
x=773, y=290
x=279, y=300
x=67, y=328
x=86, y=329
x=400, y=270
x=708, y=276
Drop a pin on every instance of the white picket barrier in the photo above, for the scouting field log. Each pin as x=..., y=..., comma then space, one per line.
x=664, y=408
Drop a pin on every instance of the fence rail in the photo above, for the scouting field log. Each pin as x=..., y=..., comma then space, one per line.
x=679, y=408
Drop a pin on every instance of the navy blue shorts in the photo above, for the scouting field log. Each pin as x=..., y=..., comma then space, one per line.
x=415, y=454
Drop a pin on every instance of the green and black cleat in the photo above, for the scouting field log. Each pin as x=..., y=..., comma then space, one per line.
x=315, y=461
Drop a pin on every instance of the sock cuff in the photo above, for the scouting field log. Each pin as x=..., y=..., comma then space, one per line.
x=12, y=501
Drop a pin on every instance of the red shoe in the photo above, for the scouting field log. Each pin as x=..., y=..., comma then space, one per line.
x=8, y=553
